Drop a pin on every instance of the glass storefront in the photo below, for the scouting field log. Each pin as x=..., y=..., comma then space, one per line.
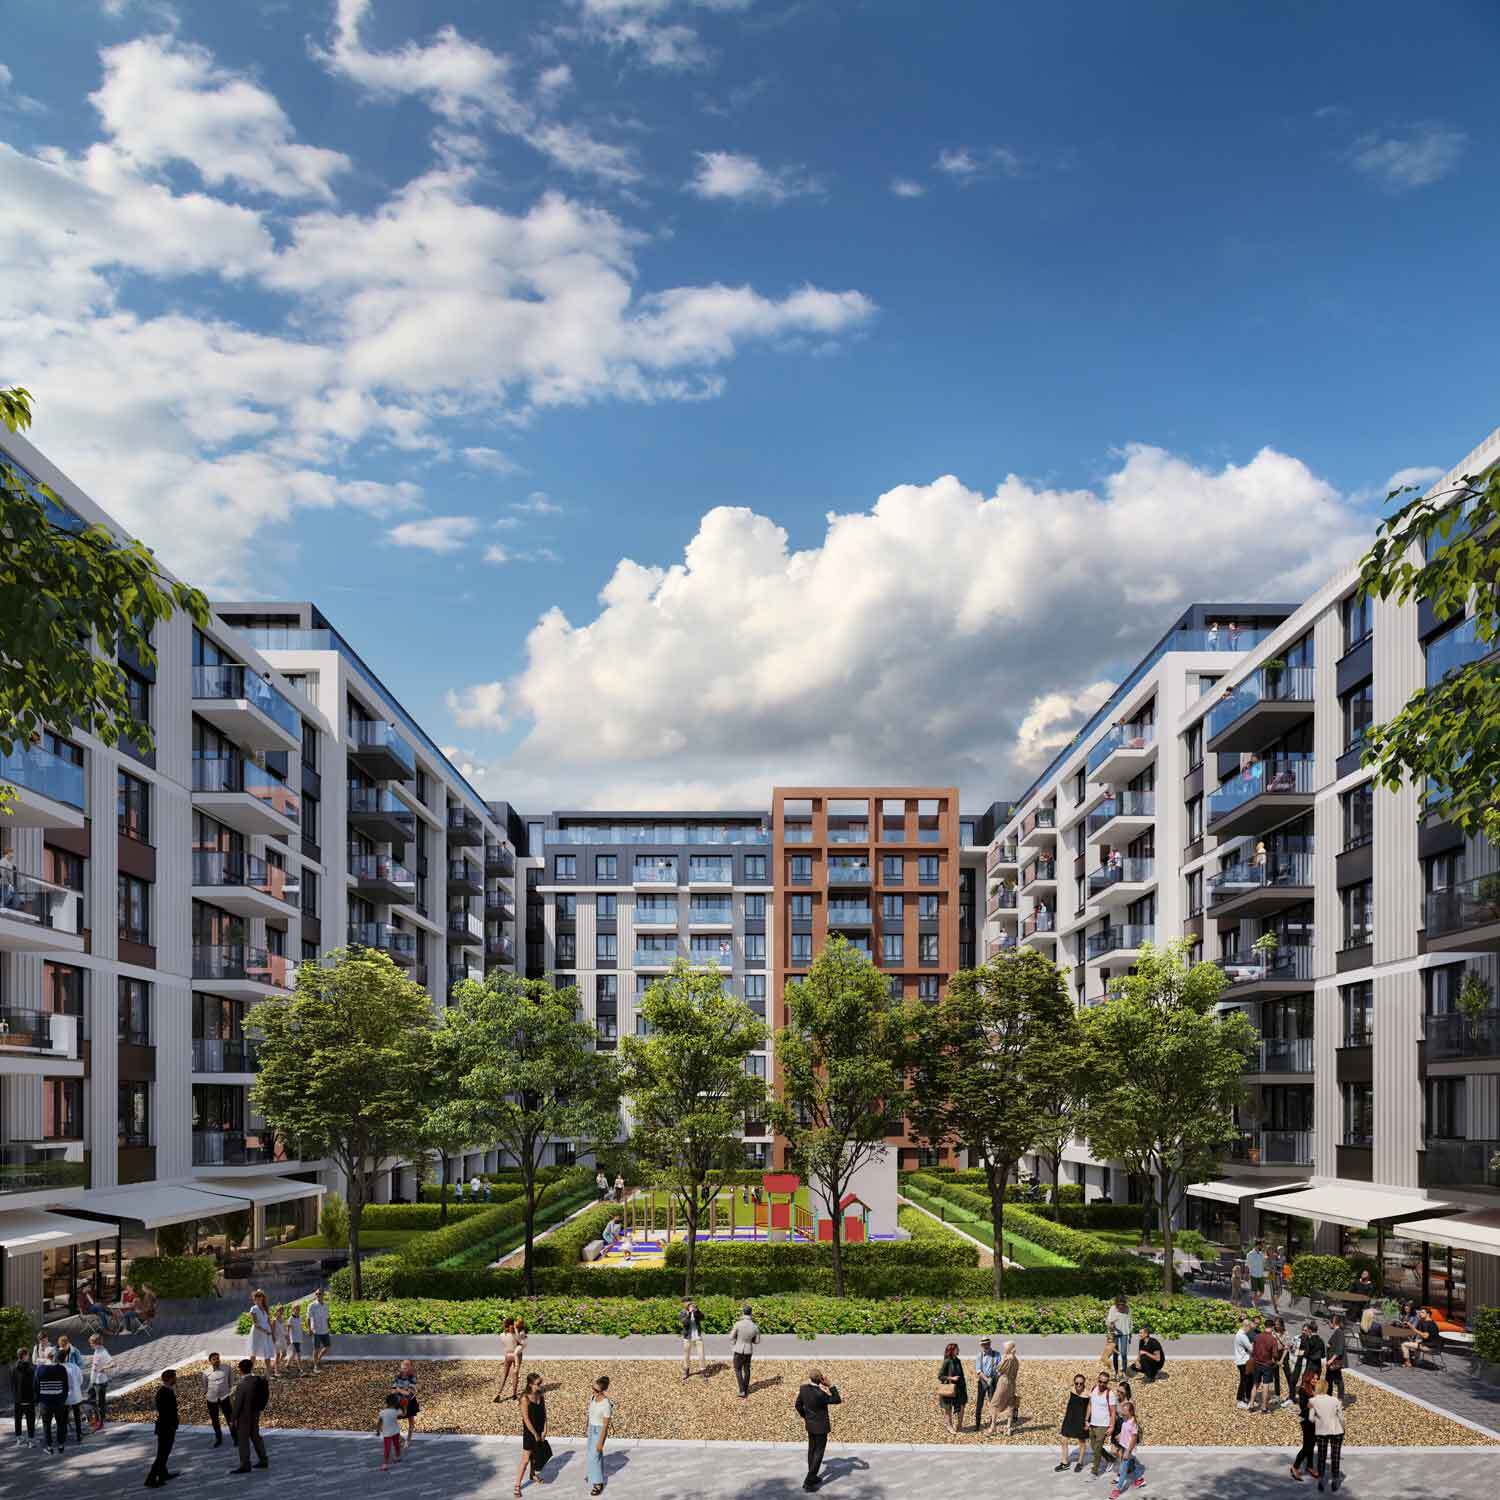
x=94, y=1264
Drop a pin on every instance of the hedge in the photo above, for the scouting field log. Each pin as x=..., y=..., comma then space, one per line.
x=175, y=1276
x=1071, y=1212
x=1312, y=1274
x=419, y=1215
x=500, y=1192
x=1487, y=1335
x=17, y=1331
x=553, y=1210
x=1075, y=1244
x=947, y=1252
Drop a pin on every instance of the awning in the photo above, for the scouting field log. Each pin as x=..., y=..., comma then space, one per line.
x=155, y=1205
x=24, y=1231
x=1230, y=1191
x=1351, y=1205
x=262, y=1189
x=1479, y=1232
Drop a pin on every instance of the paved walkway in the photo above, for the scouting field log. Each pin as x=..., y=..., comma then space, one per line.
x=445, y=1468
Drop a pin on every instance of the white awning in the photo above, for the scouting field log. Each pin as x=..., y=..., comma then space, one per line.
x=1351, y=1205
x=156, y=1205
x=1479, y=1232
x=1229, y=1191
x=24, y=1231
x=262, y=1189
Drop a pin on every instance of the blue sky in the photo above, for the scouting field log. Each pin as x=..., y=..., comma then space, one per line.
x=339, y=300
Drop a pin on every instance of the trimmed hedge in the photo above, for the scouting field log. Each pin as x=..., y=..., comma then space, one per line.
x=1071, y=1212
x=419, y=1215
x=1081, y=1248
x=500, y=1192
x=175, y=1276
x=553, y=1211
x=1312, y=1274
x=947, y=1252
x=1487, y=1335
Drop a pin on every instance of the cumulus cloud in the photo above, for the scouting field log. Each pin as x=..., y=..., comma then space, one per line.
x=1421, y=477
x=907, y=187
x=1411, y=158
x=642, y=27
x=742, y=179
x=491, y=459
x=442, y=534
x=965, y=164
x=479, y=707
x=943, y=634
x=537, y=503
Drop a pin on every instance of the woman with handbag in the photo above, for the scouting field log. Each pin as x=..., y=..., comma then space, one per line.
x=536, y=1451
x=953, y=1389
x=1007, y=1397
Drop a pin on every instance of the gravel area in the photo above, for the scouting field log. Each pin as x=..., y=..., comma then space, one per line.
x=885, y=1401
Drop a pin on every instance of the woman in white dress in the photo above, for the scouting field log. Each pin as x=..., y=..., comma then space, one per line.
x=262, y=1345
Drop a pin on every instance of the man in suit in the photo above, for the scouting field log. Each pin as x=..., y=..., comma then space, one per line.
x=251, y=1394
x=166, y=1430
x=812, y=1404
x=744, y=1336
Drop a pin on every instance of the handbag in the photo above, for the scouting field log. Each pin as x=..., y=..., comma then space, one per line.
x=947, y=1388
x=541, y=1456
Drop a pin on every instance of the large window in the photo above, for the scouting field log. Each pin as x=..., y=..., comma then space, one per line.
x=927, y=988
x=800, y=908
x=606, y=947
x=135, y=909
x=133, y=806
x=892, y=949
x=755, y=948
x=1195, y=893
x=894, y=869
x=801, y=947
x=1193, y=747
x=567, y=950
x=927, y=869
x=927, y=908
x=1359, y=1114
x=606, y=907
x=1359, y=913
x=565, y=867
x=135, y=1114
x=137, y=696
x=1358, y=614
x=135, y=1012
x=755, y=869
x=567, y=908
x=892, y=908
x=799, y=869
x=1359, y=815
x=927, y=948
x=606, y=866
x=1359, y=713
x=1359, y=1014
x=62, y=1109
x=755, y=906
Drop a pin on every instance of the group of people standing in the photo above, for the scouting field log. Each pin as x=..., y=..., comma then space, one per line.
x=277, y=1334
x=1264, y=1353
x=997, y=1380
x=59, y=1383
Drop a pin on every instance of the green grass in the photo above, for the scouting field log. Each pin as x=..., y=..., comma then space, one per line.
x=1020, y=1250
x=744, y=1214
x=370, y=1239
x=478, y=1256
x=1121, y=1239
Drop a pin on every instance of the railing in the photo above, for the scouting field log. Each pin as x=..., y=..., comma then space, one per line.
x=1457, y=1035
x=1125, y=937
x=714, y=871
x=850, y=913
x=1104, y=813
x=1362, y=1035
x=463, y=974
x=464, y=872
x=497, y=905
x=499, y=948
x=1455, y=1163
x=660, y=833
x=655, y=916
x=1273, y=1148
x=1457, y=649
x=1038, y=921
x=30, y=900
x=230, y=682
x=1469, y=903
x=240, y=961
x=655, y=872
x=384, y=938
x=849, y=833
x=1127, y=871
x=373, y=734
x=711, y=953
x=1005, y=943
x=464, y=824
x=1282, y=685
x=796, y=833
x=849, y=874
x=1044, y=870
x=214, y=867
x=42, y=772
x=26, y=1169
x=656, y=958
x=233, y=1148
x=499, y=862
x=465, y=925
x=233, y=773
x=46, y=1031
x=1003, y=900
x=1041, y=817
x=1289, y=963
x=1121, y=737
x=1001, y=854
x=1277, y=870
x=1282, y=1055
x=230, y=1055
x=1279, y=774
x=1127, y=803
x=370, y=868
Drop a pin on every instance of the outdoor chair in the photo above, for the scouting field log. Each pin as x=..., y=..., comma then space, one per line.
x=1372, y=1350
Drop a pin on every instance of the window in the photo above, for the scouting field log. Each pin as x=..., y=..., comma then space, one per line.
x=755, y=907
x=135, y=909
x=717, y=869
x=1359, y=713
x=567, y=908
x=1447, y=1111
x=927, y=908
x=565, y=867
x=927, y=987
x=1358, y=620
x=135, y=1012
x=755, y=993
x=968, y=832
x=755, y=1066
x=1359, y=1014
x=606, y=947
x=137, y=696
x=894, y=869
x=656, y=911
x=62, y=1109
x=896, y=989
x=62, y=868
x=310, y=753
x=927, y=869
x=755, y=868
x=892, y=908
x=1359, y=815
x=801, y=947
x=1194, y=819
x=1193, y=745
x=1359, y=1114
x=607, y=989
x=1195, y=893
x=535, y=840
x=1359, y=913
x=1441, y=986
x=800, y=908
x=309, y=822
x=892, y=949
x=135, y=1114
x=564, y=1154
x=799, y=870
x=656, y=869
x=309, y=894
x=606, y=867
x=927, y=948
x=606, y=907
x=133, y=807
x=755, y=947
x=567, y=950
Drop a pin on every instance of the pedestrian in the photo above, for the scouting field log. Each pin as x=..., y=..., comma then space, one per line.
x=166, y=1431
x=986, y=1373
x=1283, y=1355
x=101, y=1363
x=294, y=1336
x=1338, y=1355
x=1123, y=1393
x=1131, y=1473
x=1276, y=1277
x=1149, y=1354
x=388, y=1425
x=216, y=1398
x=405, y=1387
x=51, y=1384
x=1075, y=1424
x=77, y=1381
x=281, y=1339
x=1213, y=635
x=1237, y=1284
x=690, y=1324
x=601, y=1413
x=743, y=1337
x=262, y=1340
x=1307, y=1388
x=535, y=1449
x=317, y=1323
x=252, y=1394
x=1327, y=1411
x=619, y=1188
x=510, y=1370
x=458, y=1192
x=475, y=1185
x=41, y=1351
x=1244, y=1363
x=1117, y=1321
x=601, y=1184
x=812, y=1404
x=1255, y=1261
x=23, y=1396
x=1310, y=1350
x=1264, y=1353
x=1007, y=1396
x=953, y=1389
x=1101, y=1419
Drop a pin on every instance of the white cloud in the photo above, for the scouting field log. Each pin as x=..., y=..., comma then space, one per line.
x=1052, y=719
x=554, y=81
x=12, y=98
x=907, y=187
x=639, y=25
x=966, y=165
x=491, y=459
x=537, y=503
x=1413, y=158
x=1421, y=477
x=441, y=534
x=727, y=174
x=501, y=555
x=479, y=707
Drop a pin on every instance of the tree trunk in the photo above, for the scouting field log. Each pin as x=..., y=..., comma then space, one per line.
x=1168, y=1270
x=838, y=1253
x=529, y=1180
x=356, y=1213
x=443, y=1188
x=692, y=1241
x=1056, y=1180
x=995, y=1180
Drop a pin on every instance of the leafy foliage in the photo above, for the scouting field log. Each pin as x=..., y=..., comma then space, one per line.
x=333, y=1219
x=17, y=1331
x=175, y=1276
x=1487, y=1335
x=1312, y=1274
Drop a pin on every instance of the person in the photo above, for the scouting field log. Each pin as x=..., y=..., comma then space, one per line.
x=41, y=1351
x=535, y=1450
x=166, y=1430
x=129, y=1313
x=690, y=1324
x=145, y=1306
x=1369, y=1317
x=92, y=1312
x=77, y=1381
x=476, y=1187
x=1276, y=1277
x=1234, y=635
x=52, y=1386
x=601, y=1184
x=1075, y=1424
x=951, y=1372
x=1310, y=1350
x=262, y=1339
x=1307, y=1388
x=23, y=1396
x=509, y=1368
x=1255, y=1264
x=1007, y=1396
x=1327, y=1411
x=1264, y=1352
x=1101, y=1419
x=252, y=1393
x=743, y=1338
x=1117, y=1321
x=280, y=1338
x=1429, y=1336
x=405, y=1387
x=611, y=1233
x=601, y=1412
x=1258, y=861
x=1283, y=1360
x=812, y=1403
x=294, y=1335
x=1149, y=1354
x=1213, y=635
x=1244, y=1363
x=1237, y=1285
x=619, y=1188
x=101, y=1362
x=317, y=1323
x=1131, y=1473
x=388, y=1425
x=216, y=1398
x=1123, y=1393
x=1365, y=1283
x=458, y=1191
x=1338, y=1354
x=986, y=1374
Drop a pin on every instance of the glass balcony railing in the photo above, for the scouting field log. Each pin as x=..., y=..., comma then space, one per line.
x=34, y=902
x=1255, y=965
x=225, y=1055
x=464, y=872
x=381, y=869
x=848, y=833
x=712, y=912
x=1456, y=1035
x=1039, y=871
x=1460, y=1163
x=710, y=871
x=1455, y=650
x=656, y=957
x=381, y=936
x=660, y=833
x=464, y=827
x=498, y=861
x=1282, y=1055
x=655, y=872
x=46, y=774
x=1281, y=685
x=230, y=683
x=1125, y=937
x=374, y=735
x=48, y=1032
x=720, y=952
x=1121, y=871
x=1124, y=804
x=1285, y=1148
x=1001, y=854
x=1040, y=818
x=1460, y=907
x=1004, y=943
x=233, y=1148
x=848, y=914
x=212, y=867
x=848, y=874
x=1038, y=921
x=1292, y=870
x=226, y=961
x=1265, y=775
x=27, y=1168
x=465, y=925
x=656, y=914
x=1121, y=737
x=497, y=906
x=1002, y=900
x=378, y=802
x=499, y=949
x=233, y=773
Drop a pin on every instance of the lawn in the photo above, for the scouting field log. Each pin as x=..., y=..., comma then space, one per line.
x=744, y=1213
x=1022, y=1251
x=369, y=1239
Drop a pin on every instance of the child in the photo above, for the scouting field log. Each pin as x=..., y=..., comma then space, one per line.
x=1132, y=1472
x=388, y=1425
x=294, y=1334
x=404, y=1388
x=1122, y=1400
x=280, y=1337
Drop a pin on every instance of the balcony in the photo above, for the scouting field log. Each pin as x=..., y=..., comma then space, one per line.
x=1460, y=1164
x=1456, y=650
x=1273, y=1148
x=1282, y=1055
x=461, y=973
x=465, y=828
x=498, y=950
x=1260, y=890
x=245, y=796
x=37, y=916
x=383, y=879
x=233, y=1148
x=711, y=914
x=1465, y=917
x=465, y=877
x=1040, y=872
x=498, y=908
x=245, y=708
x=1262, y=708
x=848, y=833
x=1121, y=881
x=465, y=929
x=711, y=872
x=380, y=815
x=1039, y=924
x=45, y=1035
x=225, y=1055
x=399, y=946
x=1271, y=790
x=654, y=872
x=1001, y=856
x=49, y=789
x=239, y=970
x=1263, y=975
x=656, y=914
x=32, y=1167
x=702, y=953
x=1118, y=943
x=1454, y=1036
x=1125, y=815
x=662, y=957
x=498, y=862
x=1005, y=942
x=380, y=752
x=1039, y=830
x=1123, y=753
x=848, y=874
x=849, y=914
x=244, y=884
x=1002, y=902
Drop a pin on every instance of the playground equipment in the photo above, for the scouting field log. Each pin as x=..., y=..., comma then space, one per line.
x=769, y=1212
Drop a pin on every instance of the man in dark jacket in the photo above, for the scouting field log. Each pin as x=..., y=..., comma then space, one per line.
x=1338, y=1356
x=51, y=1382
x=23, y=1394
x=812, y=1404
x=249, y=1400
x=166, y=1430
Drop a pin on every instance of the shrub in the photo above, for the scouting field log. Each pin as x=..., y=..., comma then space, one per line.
x=1074, y=1244
x=1190, y=1242
x=1487, y=1335
x=564, y=1247
x=419, y=1215
x=237, y=1227
x=333, y=1220
x=1069, y=1193
x=175, y=1276
x=173, y=1239
x=500, y=1192
x=17, y=1331
x=1312, y=1274
x=946, y=1251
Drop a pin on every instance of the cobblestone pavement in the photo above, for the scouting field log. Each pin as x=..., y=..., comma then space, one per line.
x=449, y=1468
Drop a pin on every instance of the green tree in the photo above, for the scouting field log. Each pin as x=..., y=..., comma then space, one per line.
x=345, y=1063
x=689, y=1089
x=981, y=1067
x=518, y=1069
x=842, y=1056
x=442, y=1143
x=1444, y=550
x=1168, y=1075
x=1062, y=1073
x=72, y=596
